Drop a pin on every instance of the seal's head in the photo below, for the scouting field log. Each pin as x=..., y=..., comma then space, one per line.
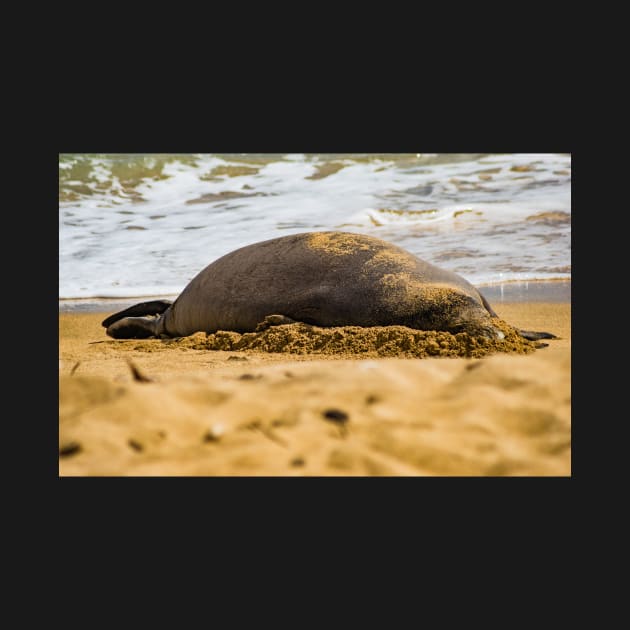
x=452, y=310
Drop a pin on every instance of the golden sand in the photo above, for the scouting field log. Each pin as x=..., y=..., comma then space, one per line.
x=340, y=243
x=250, y=412
x=396, y=258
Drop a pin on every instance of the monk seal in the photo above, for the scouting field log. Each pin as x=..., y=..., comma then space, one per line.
x=319, y=278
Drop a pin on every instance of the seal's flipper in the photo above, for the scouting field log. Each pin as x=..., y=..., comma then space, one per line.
x=486, y=305
x=133, y=328
x=534, y=336
x=273, y=320
x=137, y=310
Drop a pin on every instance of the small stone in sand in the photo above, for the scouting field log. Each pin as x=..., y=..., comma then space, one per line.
x=214, y=434
x=336, y=415
x=70, y=448
x=135, y=445
x=137, y=375
x=249, y=377
x=339, y=417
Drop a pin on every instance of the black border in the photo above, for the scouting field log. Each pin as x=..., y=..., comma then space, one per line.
x=376, y=119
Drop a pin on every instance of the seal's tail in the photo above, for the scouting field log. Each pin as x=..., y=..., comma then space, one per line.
x=156, y=307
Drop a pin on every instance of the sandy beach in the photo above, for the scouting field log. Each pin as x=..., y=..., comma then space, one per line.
x=204, y=412
x=253, y=232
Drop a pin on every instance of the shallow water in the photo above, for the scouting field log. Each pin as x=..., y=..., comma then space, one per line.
x=137, y=225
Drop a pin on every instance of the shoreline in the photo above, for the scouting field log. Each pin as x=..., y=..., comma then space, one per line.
x=557, y=291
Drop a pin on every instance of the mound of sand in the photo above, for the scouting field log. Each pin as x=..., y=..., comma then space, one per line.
x=375, y=341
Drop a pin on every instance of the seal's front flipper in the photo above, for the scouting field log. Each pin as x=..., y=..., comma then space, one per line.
x=156, y=307
x=133, y=328
x=534, y=336
x=273, y=320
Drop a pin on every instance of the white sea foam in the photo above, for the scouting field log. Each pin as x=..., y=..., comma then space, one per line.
x=142, y=234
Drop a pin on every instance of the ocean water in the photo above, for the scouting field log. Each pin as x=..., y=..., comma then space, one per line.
x=134, y=225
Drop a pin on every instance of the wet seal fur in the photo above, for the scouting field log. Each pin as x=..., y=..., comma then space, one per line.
x=324, y=279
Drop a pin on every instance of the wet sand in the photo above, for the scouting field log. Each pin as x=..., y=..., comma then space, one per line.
x=248, y=412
